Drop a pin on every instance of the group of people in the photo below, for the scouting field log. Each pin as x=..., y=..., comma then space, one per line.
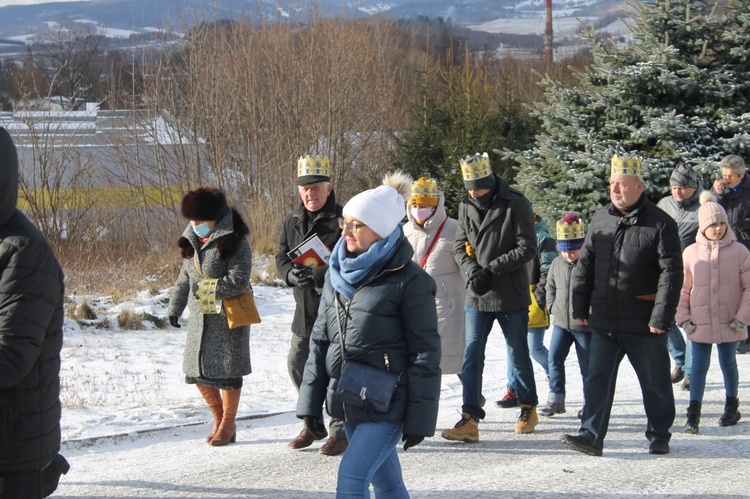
x=420, y=297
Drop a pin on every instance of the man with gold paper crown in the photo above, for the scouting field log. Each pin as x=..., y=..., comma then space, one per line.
x=626, y=288
x=494, y=242
x=317, y=214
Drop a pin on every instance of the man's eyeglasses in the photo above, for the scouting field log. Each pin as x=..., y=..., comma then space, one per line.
x=352, y=226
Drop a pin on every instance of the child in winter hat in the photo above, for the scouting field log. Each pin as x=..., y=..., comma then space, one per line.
x=714, y=306
x=570, y=232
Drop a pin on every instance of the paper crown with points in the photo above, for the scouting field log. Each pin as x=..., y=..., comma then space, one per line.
x=424, y=191
x=626, y=166
x=570, y=228
x=475, y=167
x=313, y=169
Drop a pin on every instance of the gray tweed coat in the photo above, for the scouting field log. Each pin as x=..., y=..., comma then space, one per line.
x=212, y=350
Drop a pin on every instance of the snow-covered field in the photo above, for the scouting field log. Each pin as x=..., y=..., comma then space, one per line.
x=132, y=428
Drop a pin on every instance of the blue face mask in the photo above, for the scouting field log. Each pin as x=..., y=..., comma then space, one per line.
x=202, y=230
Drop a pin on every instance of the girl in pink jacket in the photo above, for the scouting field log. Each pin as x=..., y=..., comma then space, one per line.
x=714, y=306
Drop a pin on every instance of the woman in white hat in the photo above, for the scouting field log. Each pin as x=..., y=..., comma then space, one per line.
x=377, y=309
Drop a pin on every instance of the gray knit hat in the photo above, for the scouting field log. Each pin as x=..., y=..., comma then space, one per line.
x=684, y=176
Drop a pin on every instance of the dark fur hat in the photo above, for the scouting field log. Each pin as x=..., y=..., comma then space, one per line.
x=204, y=203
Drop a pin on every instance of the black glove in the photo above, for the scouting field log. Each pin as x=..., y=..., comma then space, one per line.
x=316, y=427
x=173, y=321
x=411, y=440
x=481, y=282
x=302, y=277
x=194, y=289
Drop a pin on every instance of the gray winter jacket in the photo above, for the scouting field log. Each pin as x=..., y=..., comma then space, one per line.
x=212, y=350
x=560, y=295
x=629, y=274
x=31, y=321
x=393, y=314
x=504, y=239
x=685, y=213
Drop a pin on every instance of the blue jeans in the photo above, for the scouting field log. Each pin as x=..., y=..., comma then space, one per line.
x=648, y=355
x=678, y=349
x=559, y=347
x=515, y=329
x=371, y=458
x=727, y=362
x=537, y=350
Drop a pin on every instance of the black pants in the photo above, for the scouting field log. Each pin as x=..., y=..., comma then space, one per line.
x=21, y=484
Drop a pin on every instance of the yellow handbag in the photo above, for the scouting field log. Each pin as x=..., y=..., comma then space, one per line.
x=240, y=310
x=538, y=317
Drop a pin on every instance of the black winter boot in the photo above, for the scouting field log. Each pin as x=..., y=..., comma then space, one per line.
x=731, y=414
x=693, y=417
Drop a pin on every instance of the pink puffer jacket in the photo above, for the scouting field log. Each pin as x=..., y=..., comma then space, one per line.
x=716, y=289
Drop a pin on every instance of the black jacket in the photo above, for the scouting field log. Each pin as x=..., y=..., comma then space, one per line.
x=630, y=270
x=297, y=228
x=393, y=313
x=737, y=205
x=504, y=239
x=31, y=320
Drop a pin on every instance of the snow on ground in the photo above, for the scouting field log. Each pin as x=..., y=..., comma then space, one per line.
x=132, y=428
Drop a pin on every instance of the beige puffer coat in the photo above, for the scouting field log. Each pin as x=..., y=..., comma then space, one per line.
x=451, y=285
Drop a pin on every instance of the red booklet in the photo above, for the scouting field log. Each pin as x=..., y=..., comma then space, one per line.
x=310, y=253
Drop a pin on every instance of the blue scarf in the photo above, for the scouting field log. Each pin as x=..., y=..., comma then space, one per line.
x=349, y=270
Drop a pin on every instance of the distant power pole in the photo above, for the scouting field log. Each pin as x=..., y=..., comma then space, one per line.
x=548, y=57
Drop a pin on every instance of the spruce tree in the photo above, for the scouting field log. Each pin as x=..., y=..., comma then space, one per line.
x=678, y=94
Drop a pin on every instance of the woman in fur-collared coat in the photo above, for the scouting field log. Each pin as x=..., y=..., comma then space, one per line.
x=217, y=263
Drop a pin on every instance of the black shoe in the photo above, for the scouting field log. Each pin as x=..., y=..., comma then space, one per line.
x=580, y=444
x=659, y=446
x=580, y=414
x=51, y=474
x=743, y=346
x=509, y=400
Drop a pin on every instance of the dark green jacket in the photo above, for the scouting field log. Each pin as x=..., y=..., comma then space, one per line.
x=393, y=313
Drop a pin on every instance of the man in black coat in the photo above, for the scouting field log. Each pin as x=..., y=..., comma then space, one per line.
x=317, y=214
x=626, y=288
x=31, y=320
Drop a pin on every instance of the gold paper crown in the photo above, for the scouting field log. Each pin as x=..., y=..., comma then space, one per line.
x=570, y=231
x=424, y=191
x=626, y=166
x=475, y=167
x=318, y=165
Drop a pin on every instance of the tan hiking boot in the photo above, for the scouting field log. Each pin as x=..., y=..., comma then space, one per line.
x=527, y=419
x=466, y=430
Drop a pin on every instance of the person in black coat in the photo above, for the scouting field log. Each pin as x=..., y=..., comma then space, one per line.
x=378, y=309
x=31, y=320
x=317, y=214
x=626, y=288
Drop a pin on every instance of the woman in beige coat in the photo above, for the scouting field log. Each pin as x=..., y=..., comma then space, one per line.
x=431, y=234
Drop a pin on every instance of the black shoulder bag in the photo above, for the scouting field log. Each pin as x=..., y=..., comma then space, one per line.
x=362, y=385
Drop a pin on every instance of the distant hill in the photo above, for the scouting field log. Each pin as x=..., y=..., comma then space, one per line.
x=123, y=17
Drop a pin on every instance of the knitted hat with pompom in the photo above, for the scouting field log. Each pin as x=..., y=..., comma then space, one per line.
x=710, y=211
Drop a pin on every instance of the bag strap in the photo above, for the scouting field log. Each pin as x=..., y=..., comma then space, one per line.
x=432, y=244
x=197, y=267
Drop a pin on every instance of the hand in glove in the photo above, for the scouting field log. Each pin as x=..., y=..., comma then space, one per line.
x=173, y=321
x=411, y=440
x=737, y=326
x=194, y=290
x=688, y=326
x=301, y=277
x=481, y=282
x=316, y=427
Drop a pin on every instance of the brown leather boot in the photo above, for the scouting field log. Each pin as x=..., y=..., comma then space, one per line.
x=213, y=399
x=227, y=433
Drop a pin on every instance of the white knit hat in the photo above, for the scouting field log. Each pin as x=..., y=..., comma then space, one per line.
x=382, y=208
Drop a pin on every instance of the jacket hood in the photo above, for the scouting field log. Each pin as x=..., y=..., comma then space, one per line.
x=8, y=176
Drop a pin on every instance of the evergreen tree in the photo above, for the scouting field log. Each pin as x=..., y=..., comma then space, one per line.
x=680, y=93
x=457, y=115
